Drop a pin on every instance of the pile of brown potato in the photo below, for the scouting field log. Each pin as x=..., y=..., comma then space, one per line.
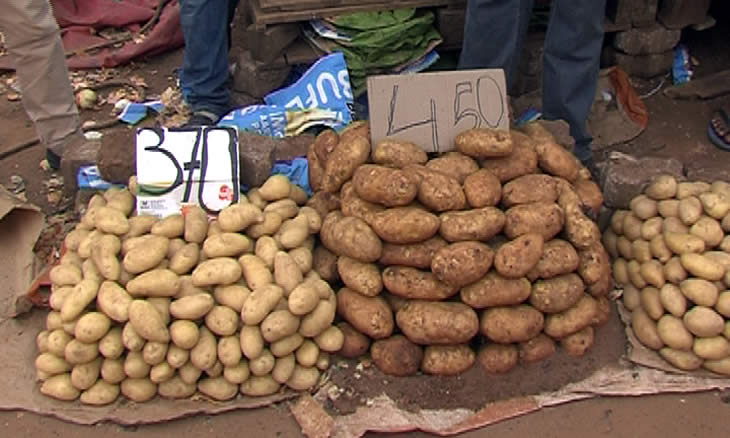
x=672, y=259
x=182, y=305
x=487, y=247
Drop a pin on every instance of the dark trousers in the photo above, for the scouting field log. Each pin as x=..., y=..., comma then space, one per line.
x=493, y=38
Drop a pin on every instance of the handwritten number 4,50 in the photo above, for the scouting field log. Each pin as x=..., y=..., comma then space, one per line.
x=465, y=90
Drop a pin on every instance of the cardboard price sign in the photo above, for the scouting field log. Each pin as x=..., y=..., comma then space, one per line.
x=430, y=109
x=178, y=167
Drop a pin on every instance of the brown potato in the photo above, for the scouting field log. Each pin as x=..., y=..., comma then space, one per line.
x=650, y=302
x=396, y=153
x=653, y=273
x=558, y=258
x=674, y=225
x=349, y=154
x=351, y=237
x=590, y=194
x=497, y=358
x=702, y=267
x=437, y=323
x=662, y=187
x=602, y=287
x=641, y=250
x=700, y=291
x=355, y=345
x=520, y=256
x=581, y=231
x=522, y=160
x=709, y=230
x=659, y=249
x=556, y=294
x=645, y=329
x=668, y=208
x=415, y=284
x=324, y=202
x=572, y=320
x=447, y=360
x=482, y=189
x=416, y=255
x=625, y=247
x=477, y=224
x=594, y=263
x=462, y=263
x=672, y=300
x=481, y=143
x=528, y=189
x=353, y=205
x=369, y=315
x=714, y=348
x=403, y=225
x=454, y=164
x=437, y=191
x=494, y=290
x=546, y=218
x=505, y=325
x=578, y=343
x=536, y=349
x=383, y=185
x=690, y=210
x=556, y=160
x=673, y=333
x=361, y=277
x=643, y=207
x=631, y=297
x=325, y=264
x=673, y=271
x=704, y=322
x=397, y=356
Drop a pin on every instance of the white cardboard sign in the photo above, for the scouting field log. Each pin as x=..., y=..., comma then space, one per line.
x=186, y=166
x=430, y=109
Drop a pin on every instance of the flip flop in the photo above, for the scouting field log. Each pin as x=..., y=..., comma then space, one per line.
x=719, y=139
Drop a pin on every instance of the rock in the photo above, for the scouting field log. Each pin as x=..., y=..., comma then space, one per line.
x=255, y=77
x=644, y=66
x=289, y=148
x=77, y=153
x=623, y=176
x=676, y=14
x=257, y=157
x=708, y=174
x=269, y=43
x=648, y=40
x=117, y=160
x=638, y=13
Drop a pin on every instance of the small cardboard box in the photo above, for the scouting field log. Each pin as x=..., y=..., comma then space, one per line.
x=179, y=167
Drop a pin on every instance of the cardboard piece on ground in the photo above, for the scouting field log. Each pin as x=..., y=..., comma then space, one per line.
x=20, y=390
x=20, y=225
x=430, y=109
x=178, y=167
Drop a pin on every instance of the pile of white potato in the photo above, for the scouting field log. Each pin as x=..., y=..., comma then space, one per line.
x=175, y=306
x=672, y=259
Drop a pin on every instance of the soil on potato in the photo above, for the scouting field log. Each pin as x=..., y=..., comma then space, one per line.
x=474, y=388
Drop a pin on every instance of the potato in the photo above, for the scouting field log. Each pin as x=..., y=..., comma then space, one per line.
x=481, y=143
x=260, y=303
x=324, y=202
x=701, y=292
x=278, y=325
x=307, y=354
x=104, y=254
x=284, y=368
x=396, y=153
x=714, y=348
x=255, y=272
x=275, y=187
x=238, y=217
x=546, y=218
x=370, y=315
x=437, y=191
x=520, y=256
x=556, y=160
x=590, y=194
x=506, y=325
x=204, y=354
x=286, y=345
x=482, y=189
x=100, y=393
x=252, y=341
x=557, y=294
x=715, y=205
x=259, y=386
x=631, y=297
x=161, y=372
x=536, y=349
x=263, y=364
x=673, y=300
x=594, y=263
x=185, y=259
x=709, y=230
x=529, y=189
x=134, y=365
x=680, y=243
x=83, y=376
x=330, y=340
x=650, y=302
x=361, y=277
x=218, y=388
x=461, y=263
x=701, y=266
x=437, y=323
x=687, y=189
x=354, y=344
x=447, y=360
x=645, y=329
x=653, y=273
x=154, y=283
x=621, y=272
x=721, y=366
x=184, y=334
x=404, y=225
x=91, y=327
x=42, y=340
x=172, y=226
x=83, y=294
x=690, y=210
x=138, y=390
x=494, y=290
x=704, y=322
x=111, y=221
x=112, y=371
x=270, y=225
x=659, y=250
x=497, y=358
x=189, y=374
x=634, y=269
x=227, y=245
x=351, y=237
x=51, y=364
x=232, y=295
x=147, y=322
x=386, y=186
x=343, y=161
x=674, y=225
x=625, y=248
x=140, y=225
x=684, y=360
x=662, y=187
x=643, y=207
x=722, y=306
x=674, y=272
x=266, y=249
x=141, y=258
x=578, y=343
x=668, y=208
x=522, y=160
x=412, y=283
x=60, y=387
x=238, y=373
x=417, y=255
x=195, y=227
x=303, y=379
x=572, y=320
x=285, y=208
x=222, y=320
x=131, y=339
x=65, y=275
x=217, y=271
x=293, y=232
x=303, y=299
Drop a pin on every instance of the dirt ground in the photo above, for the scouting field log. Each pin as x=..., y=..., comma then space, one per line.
x=676, y=129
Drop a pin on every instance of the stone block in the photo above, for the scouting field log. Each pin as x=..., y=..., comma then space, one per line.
x=259, y=153
x=623, y=176
x=632, y=12
x=676, y=14
x=255, y=78
x=647, y=40
x=268, y=44
x=117, y=157
x=644, y=12
x=644, y=66
x=76, y=154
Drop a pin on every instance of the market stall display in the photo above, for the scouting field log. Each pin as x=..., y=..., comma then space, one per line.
x=670, y=254
x=144, y=306
x=488, y=247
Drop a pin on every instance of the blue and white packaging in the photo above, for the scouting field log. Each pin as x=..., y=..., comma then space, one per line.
x=269, y=120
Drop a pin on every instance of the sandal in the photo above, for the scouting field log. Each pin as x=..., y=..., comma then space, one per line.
x=719, y=129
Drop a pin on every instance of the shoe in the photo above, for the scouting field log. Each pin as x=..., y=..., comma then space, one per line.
x=201, y=118
x=719, y=129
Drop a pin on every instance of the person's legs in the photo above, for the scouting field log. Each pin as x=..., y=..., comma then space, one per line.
x=494, y=33
x=205, y=57
x=571, y=64
x=33, y=39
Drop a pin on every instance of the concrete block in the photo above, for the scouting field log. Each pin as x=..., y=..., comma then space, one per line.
x=255, y=78
x=644, y=66
x=623, y=177
x=647, y=40
x=676, y=14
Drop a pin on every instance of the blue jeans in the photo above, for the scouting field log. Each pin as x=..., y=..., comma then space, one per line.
x=494, y=33
x=206, y=29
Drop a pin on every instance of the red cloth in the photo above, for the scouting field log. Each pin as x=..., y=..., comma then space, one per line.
x=81, y=19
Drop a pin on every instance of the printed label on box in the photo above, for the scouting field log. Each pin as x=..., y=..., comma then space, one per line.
x=186, y=166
